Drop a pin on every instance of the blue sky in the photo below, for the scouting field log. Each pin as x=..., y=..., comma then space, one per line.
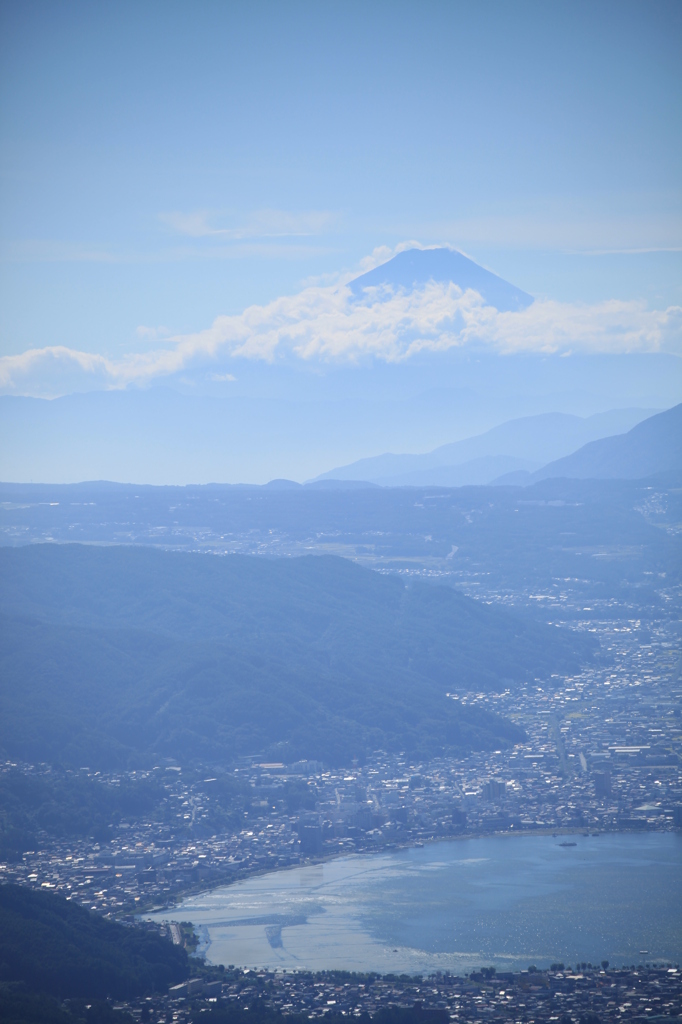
x=165, y=164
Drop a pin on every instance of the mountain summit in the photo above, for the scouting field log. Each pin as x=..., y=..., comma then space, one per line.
x=416, y=267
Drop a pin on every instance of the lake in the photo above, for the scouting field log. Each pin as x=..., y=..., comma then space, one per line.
x=507, y=901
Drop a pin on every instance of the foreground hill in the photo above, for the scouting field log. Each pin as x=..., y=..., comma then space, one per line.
x=56, y=947
x=108, y=654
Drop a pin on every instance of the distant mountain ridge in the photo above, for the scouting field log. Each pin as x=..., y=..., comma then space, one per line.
x=523, y=445
x=291, y=422
x=652, y=447
x=416, y=267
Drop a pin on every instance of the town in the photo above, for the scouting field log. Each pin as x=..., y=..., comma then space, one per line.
x=561, y=994
x=602, y=752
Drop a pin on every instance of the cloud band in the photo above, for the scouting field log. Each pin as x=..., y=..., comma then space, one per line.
x=327, y=324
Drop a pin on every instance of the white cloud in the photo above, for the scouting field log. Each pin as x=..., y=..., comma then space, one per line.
x=260, y=224
x=151, y=333
x=56, y=370
x=326, y=324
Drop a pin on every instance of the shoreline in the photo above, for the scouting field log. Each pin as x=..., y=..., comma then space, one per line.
x=198, y=890
x=556, y=905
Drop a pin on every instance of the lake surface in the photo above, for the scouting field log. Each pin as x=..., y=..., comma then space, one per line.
x=507, y=901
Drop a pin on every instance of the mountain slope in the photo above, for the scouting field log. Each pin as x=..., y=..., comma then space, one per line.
x=285, y=421
x=521, y=444
x=54, y=946
x=652, y=447
x=473, y=473
x=416, y=267
x=109, y=653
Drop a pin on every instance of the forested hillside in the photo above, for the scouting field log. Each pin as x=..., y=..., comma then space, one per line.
x=109, y=654
x=59, y=948
x=64, y=805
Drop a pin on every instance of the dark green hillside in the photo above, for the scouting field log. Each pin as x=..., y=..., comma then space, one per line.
x=57, y=948
x=108, y=653
x=61, y=805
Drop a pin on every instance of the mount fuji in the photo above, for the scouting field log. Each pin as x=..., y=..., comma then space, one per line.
x=243, y=420
x=416, y=267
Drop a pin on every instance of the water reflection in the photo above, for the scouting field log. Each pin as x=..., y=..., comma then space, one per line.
x=507, y=901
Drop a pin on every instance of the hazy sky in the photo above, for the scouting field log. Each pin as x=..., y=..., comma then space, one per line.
x=164, y=164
